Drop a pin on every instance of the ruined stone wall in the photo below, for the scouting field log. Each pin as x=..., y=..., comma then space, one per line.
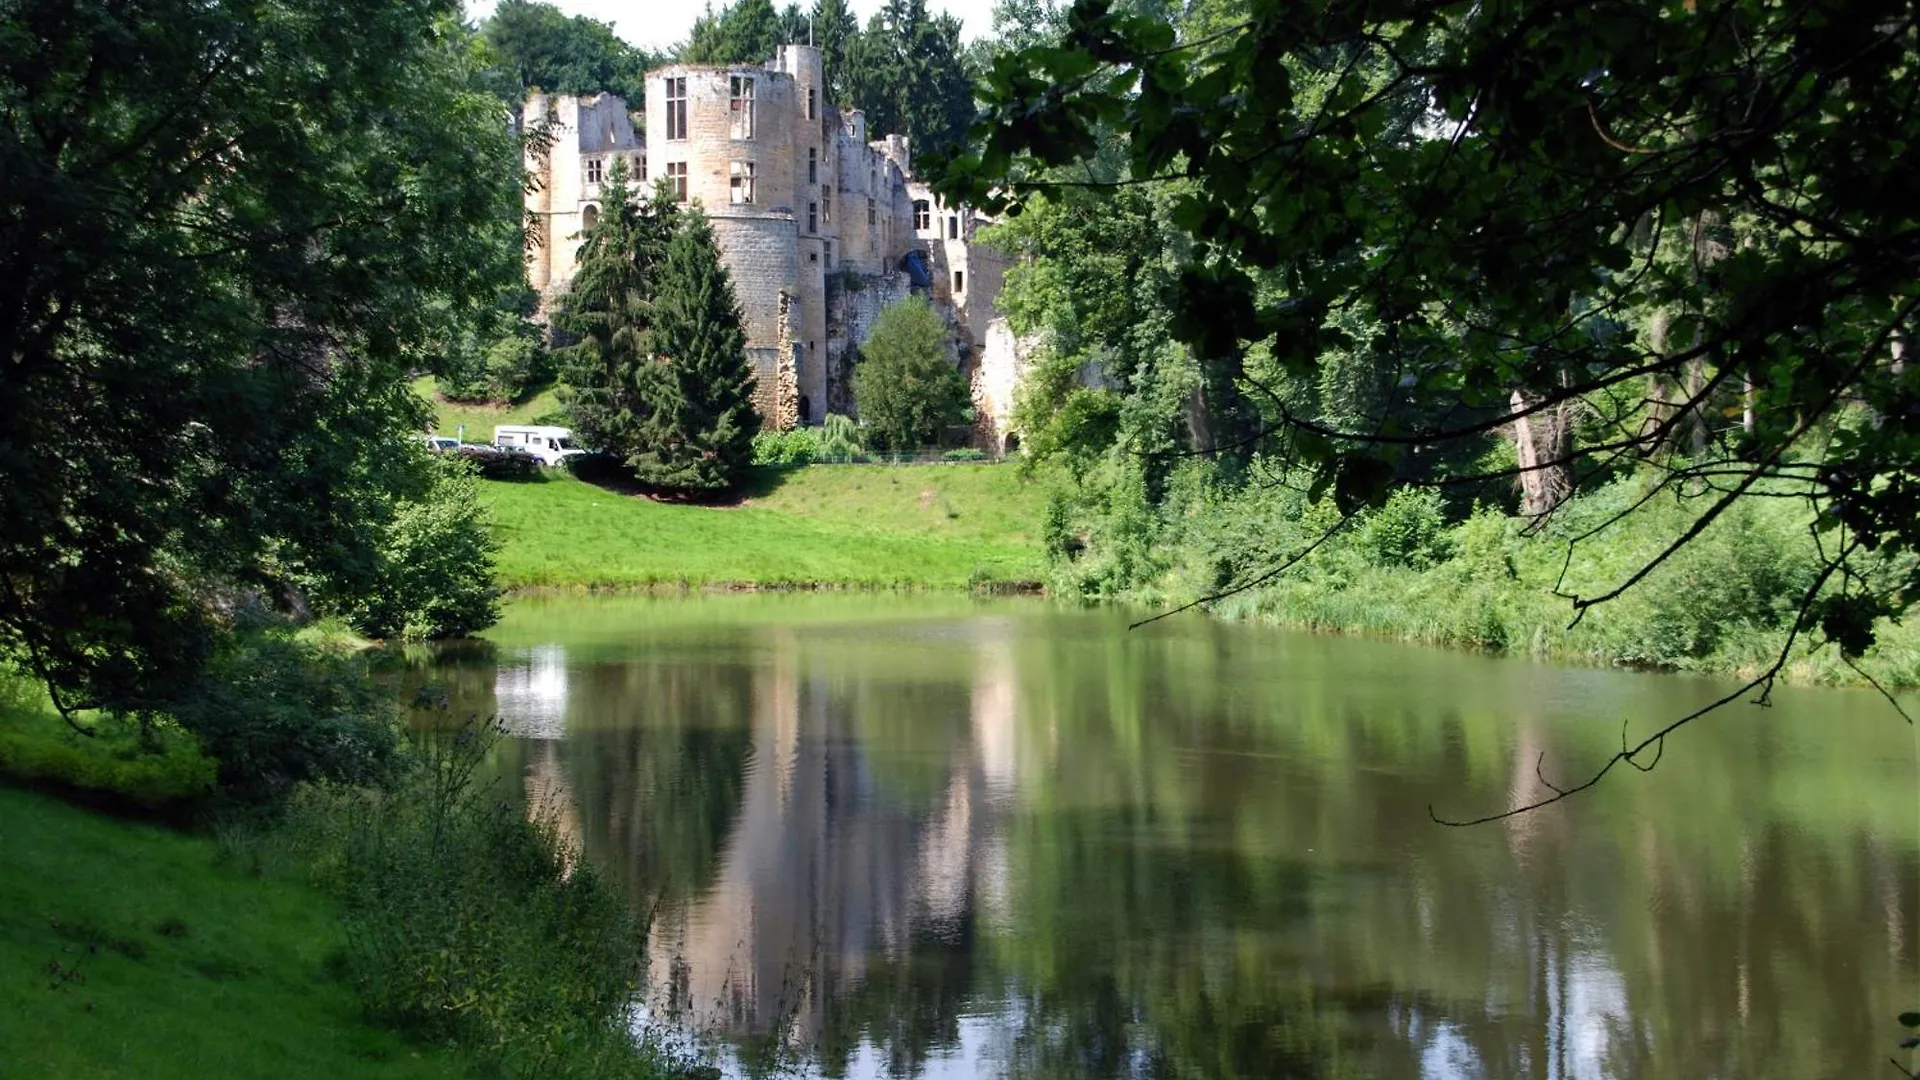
x=852, y=308
x=1002, y=366
x=587, y=132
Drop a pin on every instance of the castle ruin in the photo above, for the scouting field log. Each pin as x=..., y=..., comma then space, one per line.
x=819, y=226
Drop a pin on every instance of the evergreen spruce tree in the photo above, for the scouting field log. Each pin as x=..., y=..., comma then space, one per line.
x=609, y=313
x=698, y=434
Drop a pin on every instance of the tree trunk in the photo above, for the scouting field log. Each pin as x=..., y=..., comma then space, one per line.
x=1544, y=440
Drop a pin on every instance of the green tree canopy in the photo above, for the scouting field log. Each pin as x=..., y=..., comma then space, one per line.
x=700, y=425
x=906, y=71
x=906, y=386
x=541, y=48
x=228, y=232
x=745, y=32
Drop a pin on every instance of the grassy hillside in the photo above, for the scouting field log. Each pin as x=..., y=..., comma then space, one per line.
x=480, y=419
x=128, y=950
x=930, y=526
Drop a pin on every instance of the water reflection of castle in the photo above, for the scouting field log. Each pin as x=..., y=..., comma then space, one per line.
x=824, y=871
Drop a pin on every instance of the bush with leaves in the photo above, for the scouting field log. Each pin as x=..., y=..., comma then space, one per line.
x=786, y=448
x=432, y=564
x=276, y=712
x=472, y=922
x=1410, y=530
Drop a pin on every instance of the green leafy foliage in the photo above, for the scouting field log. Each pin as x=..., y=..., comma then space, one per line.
x=786, y=448
x=907, y=72
x=535, y=46
x=238, y=230
x=906, y=386
x=473, y=923
x=1398, y=234
x=744, y=32
x=277, y=712
x=432, y=565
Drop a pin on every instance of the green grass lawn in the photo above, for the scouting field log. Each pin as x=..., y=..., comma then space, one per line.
x=481, y=419
x=919, y=526
x=184, y=965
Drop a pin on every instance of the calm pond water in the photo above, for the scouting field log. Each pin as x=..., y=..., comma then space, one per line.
x=906, y=837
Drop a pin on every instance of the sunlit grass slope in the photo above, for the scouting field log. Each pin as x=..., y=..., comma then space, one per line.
x=480, y=419
x=181, y=965
x=931, y=526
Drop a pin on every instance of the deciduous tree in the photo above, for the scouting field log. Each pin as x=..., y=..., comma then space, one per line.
x=906, y=386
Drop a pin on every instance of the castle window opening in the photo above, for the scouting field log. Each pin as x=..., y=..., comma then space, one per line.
x=959, y=281
x=829, y=247
x=813, y=217
x=810, y=96
x=826, y=204
x=872, y=214
x=589, y=218
x=677, y=177
x=813, y=165
x=806, y=409
x=813, y=256
x=593, y=170
x=677, y=108
x=922, y=214
x=953, y=226
x=740, y=106
x=742, y=181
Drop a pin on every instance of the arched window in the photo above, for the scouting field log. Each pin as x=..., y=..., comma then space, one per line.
x=589, y=218
x=806, y=409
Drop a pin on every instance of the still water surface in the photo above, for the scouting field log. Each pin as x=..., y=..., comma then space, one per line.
x=906, y=837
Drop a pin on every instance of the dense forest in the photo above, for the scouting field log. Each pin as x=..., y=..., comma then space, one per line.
x=1572, y=329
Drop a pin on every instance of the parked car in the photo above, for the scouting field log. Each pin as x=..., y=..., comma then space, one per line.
x=501, y=462
x=552, y=445
x=442, y=443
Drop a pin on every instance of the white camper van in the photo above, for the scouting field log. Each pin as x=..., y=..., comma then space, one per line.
x=549, y=444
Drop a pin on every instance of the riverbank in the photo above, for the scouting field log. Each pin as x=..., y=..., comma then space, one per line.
x=943, y=528
x=133, y=950
x=1724, y=605
x=425, y=929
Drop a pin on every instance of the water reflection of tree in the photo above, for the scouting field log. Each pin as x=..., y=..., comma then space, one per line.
x=656, y=753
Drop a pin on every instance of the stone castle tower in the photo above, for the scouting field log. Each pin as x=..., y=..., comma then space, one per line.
x=819, y=226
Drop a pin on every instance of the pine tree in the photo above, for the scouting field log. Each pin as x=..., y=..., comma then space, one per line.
x=609, y=312
x=699, y=432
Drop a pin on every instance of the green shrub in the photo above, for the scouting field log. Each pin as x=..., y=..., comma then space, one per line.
x=786, y=448
x=470, y=923
x=275, y=712
x=1409, y=531
x=434, y=572
x=965, y=453
x=907, y=386
x=495, y=463
x=840, y=439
